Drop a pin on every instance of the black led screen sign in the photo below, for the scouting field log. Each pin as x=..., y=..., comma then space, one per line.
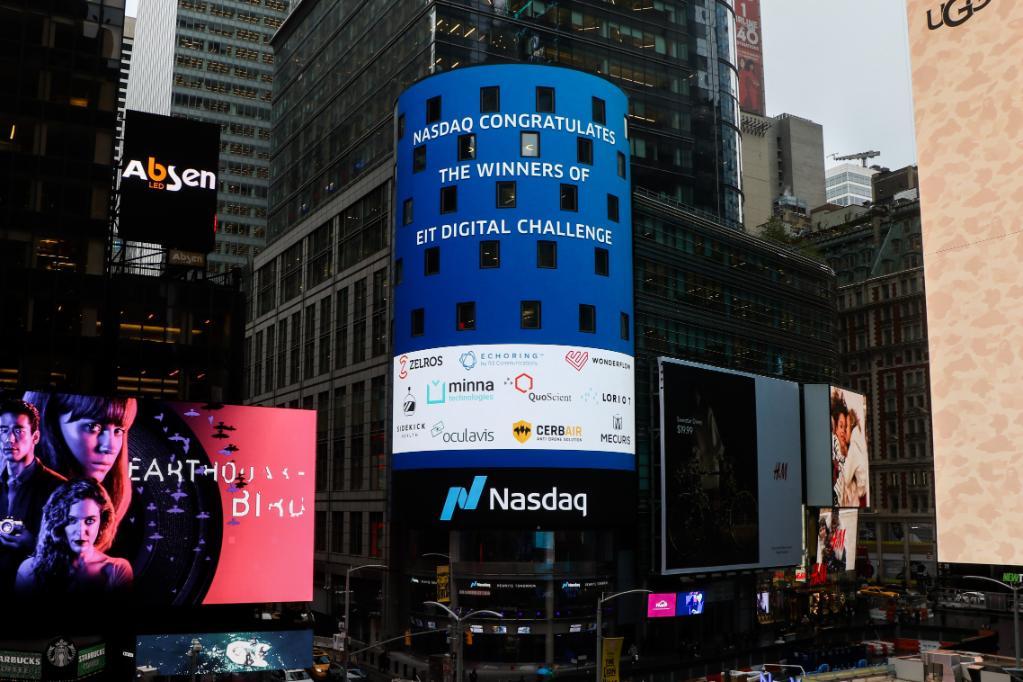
x=169, y=181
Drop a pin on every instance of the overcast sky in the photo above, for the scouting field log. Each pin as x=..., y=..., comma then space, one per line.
x=845, y=65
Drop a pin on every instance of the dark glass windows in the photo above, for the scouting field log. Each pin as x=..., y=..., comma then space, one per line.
x=401, y=126
x=546, y=254
x=406, y=212
x=612, y=207
x=433, y=109
x=624, y=326
x=529, y=144
x=465, y=315
x=599, y=111
x=418, y=321
x=466, y=147
x=587, y=318
x=584, y=150
x=448, y=199
x=490, y=99
x=621, y=165
x=569, y=198
x=529, y=314
x=419, y=158
x=545, y=100
x=601, y=265
x=431, y=260
x=506, y=194
x=490, y=253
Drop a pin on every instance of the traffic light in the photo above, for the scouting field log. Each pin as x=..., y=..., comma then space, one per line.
x=468, y=637
x=408, y=638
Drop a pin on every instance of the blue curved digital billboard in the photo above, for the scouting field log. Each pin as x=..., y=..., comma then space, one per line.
x=513, y=260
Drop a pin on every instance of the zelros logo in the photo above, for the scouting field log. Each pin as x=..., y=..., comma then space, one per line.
x=955, y=12
x=160, y=176
x=405, y=365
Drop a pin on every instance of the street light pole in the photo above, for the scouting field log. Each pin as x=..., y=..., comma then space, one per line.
x=600, y=623
x=458, y=620
x=348, y=598
x=1015, y=610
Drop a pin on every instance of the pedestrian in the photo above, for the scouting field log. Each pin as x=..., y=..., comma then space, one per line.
x=472, y=676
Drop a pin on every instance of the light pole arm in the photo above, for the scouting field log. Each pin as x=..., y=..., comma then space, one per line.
x=1015, y=611
x=600, y=624
x=992, y=580
x=620, y=594
x=450, y=612
x=484, y=612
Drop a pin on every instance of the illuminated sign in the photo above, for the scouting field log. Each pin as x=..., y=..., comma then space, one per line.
x=224, y=652
x=200, y=504
x=168, y=184
x=750, y=51
x=660, y=605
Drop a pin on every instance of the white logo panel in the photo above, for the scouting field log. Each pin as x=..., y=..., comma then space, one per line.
x=514, y=396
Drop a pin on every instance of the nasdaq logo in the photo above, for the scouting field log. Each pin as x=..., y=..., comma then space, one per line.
x=460, y=498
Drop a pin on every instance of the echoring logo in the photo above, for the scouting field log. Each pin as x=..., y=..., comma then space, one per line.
x=160, y=176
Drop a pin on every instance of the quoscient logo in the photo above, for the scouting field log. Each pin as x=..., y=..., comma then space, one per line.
x=460, y=498
x=955, y=12
x=160, y=176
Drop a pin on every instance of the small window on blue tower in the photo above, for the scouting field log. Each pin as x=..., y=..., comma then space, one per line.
x=490, y=99
x=465, y=315
x=419, y=158
x=612, y=207
x=431, y=260
x=625, y=327
x=418, y=321
x=433, y=109
x=584, y=150
x=546, y=254
x=490, y=253
x=545, y=100
x=529, y=314
x=601, y=262
x=599, y=111
x=587, y=318
x=529, y=144
x=448, y=199
x=401, y=126
x=569, y=198
x=621, y=165
x=466, y=147
x=406, y=212
x=506, y=194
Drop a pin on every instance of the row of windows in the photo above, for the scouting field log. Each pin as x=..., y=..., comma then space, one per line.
x=490, y=102
x=505, y=196
x=529, y=318
x=490, y=257
x=529, y=148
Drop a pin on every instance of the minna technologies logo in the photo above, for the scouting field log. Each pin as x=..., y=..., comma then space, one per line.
x=504, y=499
x=161, y=176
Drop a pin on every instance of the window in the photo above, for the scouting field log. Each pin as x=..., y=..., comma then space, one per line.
x=433, y=109
x=418, y=321
x=587, y=318
x=506, y=194
x=584, y=150
x=529, y=144
x=466, y=147
x=448, y=199
x=624, y=326
x=612, y=207
x=399, y=271
x=406, y=212
x=546, y=254
x=419, y=158
x=401, y=126
x=621, y=165
x=529, y=314
x=490, y=254
x=545, y=100
x=490, y=99
x=569, y=198
x=431, y=260
x=599, y=111
x=465, y=315
x=601, y=265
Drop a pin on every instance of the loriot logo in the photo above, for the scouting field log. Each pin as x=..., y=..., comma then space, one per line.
x=955, y=13
x=166, y=177
x=504, y=499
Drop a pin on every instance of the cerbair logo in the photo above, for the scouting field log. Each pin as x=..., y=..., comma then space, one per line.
x=161, y=176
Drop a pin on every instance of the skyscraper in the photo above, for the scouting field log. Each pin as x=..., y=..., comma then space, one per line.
x=849, y=183
x=213, y=62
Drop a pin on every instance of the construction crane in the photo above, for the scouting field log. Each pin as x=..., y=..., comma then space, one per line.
x=862, y=156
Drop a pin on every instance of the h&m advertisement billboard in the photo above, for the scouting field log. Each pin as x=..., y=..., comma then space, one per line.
x=146, y=502
x=513, y=369
x=168, y=186
x=731, y=486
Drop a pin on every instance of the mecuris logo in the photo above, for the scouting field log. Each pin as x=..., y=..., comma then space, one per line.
x=955, y=13
x=505, y=499
x=166, y=177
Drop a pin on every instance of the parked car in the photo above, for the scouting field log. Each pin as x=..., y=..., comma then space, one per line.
x=321, y=665
x=974, y=598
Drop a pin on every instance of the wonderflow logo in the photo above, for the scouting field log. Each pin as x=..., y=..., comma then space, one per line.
x=460, y=498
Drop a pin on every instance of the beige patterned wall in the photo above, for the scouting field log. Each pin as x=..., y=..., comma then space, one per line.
x=968, y=92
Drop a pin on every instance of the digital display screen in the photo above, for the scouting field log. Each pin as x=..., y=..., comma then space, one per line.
x=190, y=503
x=223, y=652
x=660, y=605
x=689, y=603
x=850, y=465
x=168, y=184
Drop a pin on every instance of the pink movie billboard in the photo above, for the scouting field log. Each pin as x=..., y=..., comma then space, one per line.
x=661, y=605
x=159, y=503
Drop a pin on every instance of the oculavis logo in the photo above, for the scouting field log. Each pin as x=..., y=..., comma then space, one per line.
x=160, y=176
x=955, y=12
x=504, y=499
